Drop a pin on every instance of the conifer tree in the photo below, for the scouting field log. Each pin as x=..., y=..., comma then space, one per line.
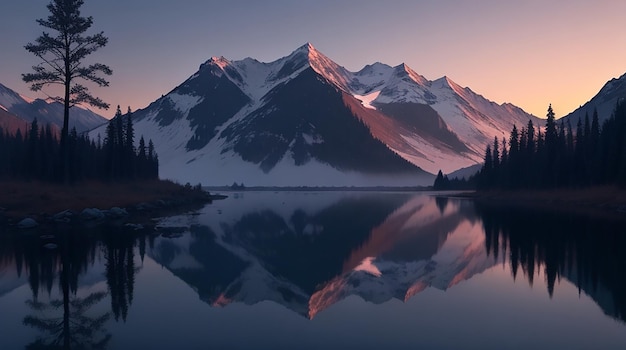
x=551, y=134
x=129, y=146
x=530, y=143
x=496, y=153
x=62, y=54
x=514, y=142
x=439, y=185
x=32, y=157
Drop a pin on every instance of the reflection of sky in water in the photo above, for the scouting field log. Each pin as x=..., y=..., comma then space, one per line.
x=423, y=270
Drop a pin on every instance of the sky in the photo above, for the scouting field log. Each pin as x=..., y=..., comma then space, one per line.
x=527, y=52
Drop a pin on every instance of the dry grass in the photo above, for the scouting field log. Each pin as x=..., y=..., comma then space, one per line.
x=20, y=199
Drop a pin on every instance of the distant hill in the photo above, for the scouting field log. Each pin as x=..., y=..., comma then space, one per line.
x=47, y=112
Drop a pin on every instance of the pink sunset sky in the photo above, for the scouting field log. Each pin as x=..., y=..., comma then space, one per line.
x=529, y=53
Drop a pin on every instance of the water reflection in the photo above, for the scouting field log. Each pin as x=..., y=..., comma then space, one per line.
x=71, y=259
x=587, y=251
x=308, y=252
x=308, y=257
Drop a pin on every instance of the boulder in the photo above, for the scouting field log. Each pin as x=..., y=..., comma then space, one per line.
x=64, y=216
x=92, y=214
x=50, y=246
x=117, y=212
x=27, y=223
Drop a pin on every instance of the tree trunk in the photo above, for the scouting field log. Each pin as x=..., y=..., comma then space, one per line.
x=65, y=149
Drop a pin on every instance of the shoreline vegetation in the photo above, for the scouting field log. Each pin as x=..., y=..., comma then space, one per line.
x=41, y=200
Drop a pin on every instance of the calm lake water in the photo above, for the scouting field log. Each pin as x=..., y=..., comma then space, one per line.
x=325, y=270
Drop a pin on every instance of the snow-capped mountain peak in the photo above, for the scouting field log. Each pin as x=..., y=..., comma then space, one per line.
x=403, y=70
x=305, y=120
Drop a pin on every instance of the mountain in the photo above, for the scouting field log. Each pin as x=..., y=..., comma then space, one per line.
x=11, y=123
x=47, y=111
x=305, y=120
x=604, y=102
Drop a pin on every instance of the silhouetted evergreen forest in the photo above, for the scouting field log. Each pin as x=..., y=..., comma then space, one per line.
x=36, y=155
x=557, y=155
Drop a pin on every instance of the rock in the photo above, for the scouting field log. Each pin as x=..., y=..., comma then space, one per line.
x=92, y=214
x=27, y=223
x=64, y=216
x=117, y=212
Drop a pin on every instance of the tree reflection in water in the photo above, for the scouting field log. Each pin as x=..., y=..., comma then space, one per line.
x=589, y=252
x=120, y=271
x=74, y=328
x=68, y=321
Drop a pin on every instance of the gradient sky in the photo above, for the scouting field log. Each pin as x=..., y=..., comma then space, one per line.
x=530, y=52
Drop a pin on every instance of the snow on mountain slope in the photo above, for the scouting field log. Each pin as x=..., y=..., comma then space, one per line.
x=11, y=123
x=604, y=102
x=475, y=119
x=299, y=121
x=47, y=111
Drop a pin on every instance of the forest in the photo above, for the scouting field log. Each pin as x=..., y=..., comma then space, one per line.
x=36, y=154
x=555, y=156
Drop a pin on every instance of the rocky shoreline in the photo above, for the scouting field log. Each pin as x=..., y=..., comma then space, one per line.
x=135, y=210
x=134, y=216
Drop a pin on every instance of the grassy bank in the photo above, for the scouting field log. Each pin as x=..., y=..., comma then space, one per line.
x=36, y=199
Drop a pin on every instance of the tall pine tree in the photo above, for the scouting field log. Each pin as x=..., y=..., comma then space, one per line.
x=62, y=54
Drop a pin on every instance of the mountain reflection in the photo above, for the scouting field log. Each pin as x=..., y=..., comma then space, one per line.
x=305, y=251
x=587, y=251
x=308, y=256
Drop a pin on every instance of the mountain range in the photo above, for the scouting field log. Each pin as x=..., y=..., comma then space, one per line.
x=17, y=111
x=604, y=102
x=305, y=120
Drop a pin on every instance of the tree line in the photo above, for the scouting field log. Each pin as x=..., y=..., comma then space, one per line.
x=37, y=154
x=559, y=155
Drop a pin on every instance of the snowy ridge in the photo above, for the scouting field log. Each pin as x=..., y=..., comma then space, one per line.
x=231, y=110
x=47, y=111
x=604, y=102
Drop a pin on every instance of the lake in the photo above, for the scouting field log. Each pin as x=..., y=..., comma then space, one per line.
x=321, y=270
